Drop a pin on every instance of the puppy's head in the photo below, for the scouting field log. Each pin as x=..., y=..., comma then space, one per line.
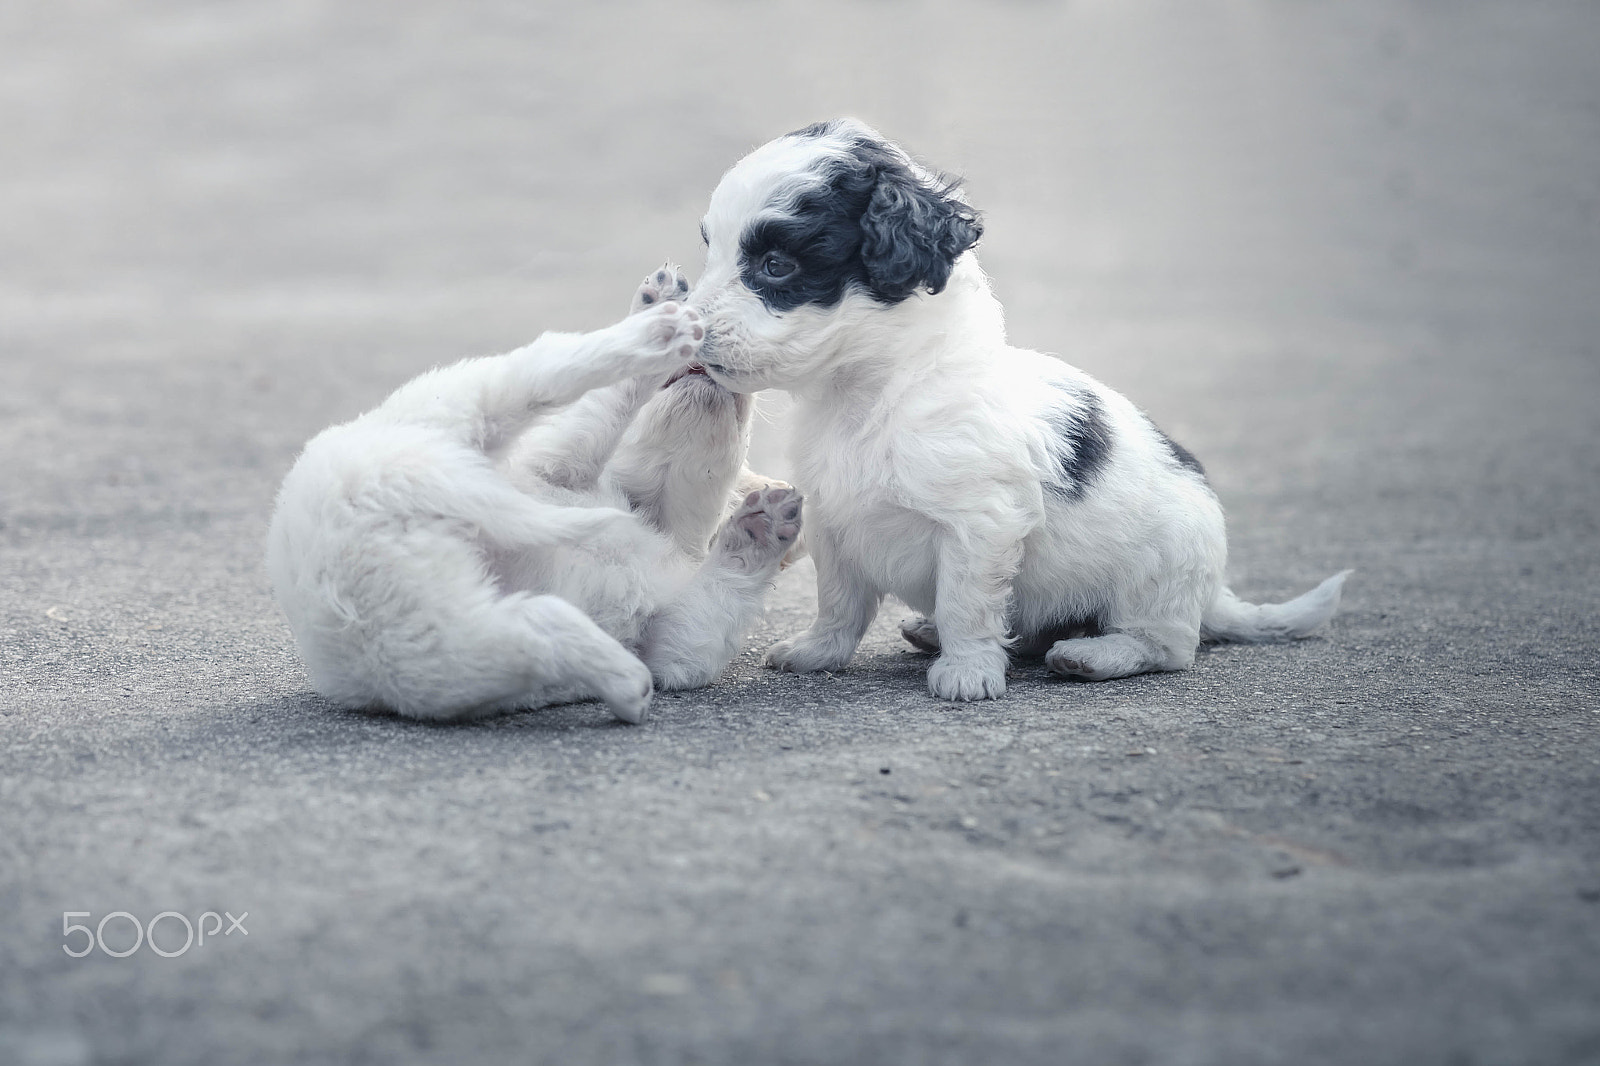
x=809, y=238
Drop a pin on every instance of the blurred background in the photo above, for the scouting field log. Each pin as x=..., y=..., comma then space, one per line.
x=1348, y=253
x=285, y=209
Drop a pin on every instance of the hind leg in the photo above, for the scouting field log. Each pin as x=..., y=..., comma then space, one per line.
x=588, y=662
x=1125, y=651
x=1151, y=622
x=522, y=652
x=749, y=481
x=921, y=633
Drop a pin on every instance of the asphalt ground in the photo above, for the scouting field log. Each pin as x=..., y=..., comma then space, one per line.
x=1348, y=254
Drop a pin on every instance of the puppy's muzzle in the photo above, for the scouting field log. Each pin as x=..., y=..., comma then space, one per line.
x=710, y=350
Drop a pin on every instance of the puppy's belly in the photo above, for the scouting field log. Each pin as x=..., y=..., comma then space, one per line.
x=618, y=579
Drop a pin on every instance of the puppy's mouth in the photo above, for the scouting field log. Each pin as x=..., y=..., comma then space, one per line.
x=689, y=371
x=724, y=376
x=721, y=375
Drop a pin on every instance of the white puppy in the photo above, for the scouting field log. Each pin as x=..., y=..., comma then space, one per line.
x=505, y=533
x=1011, y=498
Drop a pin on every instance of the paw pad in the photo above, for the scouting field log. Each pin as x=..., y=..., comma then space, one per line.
x=667, y=283
x=762, y=529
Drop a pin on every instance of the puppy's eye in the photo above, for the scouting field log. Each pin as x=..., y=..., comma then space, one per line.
x=705, y=237
x=778, y=266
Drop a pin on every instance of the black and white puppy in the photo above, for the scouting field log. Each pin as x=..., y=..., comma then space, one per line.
x=1012, y=499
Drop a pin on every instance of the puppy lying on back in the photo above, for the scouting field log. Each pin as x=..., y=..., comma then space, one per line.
x=1012, y=499
x=505, y=533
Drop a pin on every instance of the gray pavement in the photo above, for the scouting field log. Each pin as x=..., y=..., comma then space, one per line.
x=1349, y=254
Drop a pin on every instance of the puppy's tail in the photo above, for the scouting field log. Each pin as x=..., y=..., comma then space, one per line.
x=1230, y=618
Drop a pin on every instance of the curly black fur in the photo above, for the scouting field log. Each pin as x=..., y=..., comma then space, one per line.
x=873, y=224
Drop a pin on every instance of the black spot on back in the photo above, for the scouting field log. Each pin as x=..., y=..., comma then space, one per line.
x=1181, y=455
x=1080, y=424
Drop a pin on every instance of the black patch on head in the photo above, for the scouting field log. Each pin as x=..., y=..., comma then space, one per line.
x=1180, y=455
x=871, y=223
x=816, y=129
x=1081, y=426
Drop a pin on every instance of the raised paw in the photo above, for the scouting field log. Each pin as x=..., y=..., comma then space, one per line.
x=671, y=335
x=760, y=531
x=749, y=481
x=921, y=634
x=667, y=283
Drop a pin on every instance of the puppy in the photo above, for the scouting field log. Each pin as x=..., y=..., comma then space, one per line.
x=1012, y=499
x=505, y=533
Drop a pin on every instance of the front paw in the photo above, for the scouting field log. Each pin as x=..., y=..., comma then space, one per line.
x=967, y=678
x=805, y=655
x=670, y=336
x=667, y=283
x=778, y=656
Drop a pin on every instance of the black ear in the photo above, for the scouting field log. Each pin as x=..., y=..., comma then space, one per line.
x=913, y=231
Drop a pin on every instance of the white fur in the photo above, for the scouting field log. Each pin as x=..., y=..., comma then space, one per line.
x=919, y=443
x=505, y=533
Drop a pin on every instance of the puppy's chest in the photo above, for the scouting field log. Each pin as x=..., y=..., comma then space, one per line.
x=863, y=511
x=843, y=481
